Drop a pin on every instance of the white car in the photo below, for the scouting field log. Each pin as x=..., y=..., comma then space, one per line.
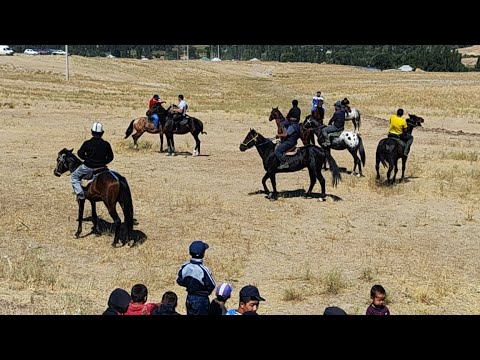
x=57, y=52
x=31, y=52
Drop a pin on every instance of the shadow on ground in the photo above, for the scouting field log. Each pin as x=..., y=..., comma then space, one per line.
x=297, y=193
x=137, y=237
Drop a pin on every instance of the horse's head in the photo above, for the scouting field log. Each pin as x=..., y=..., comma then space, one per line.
x=62, y=161
x=414, y=120
x=249, y=140
x=275, y=114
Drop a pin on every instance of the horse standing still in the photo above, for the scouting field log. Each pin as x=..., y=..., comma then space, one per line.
x=141, y=125
x=109, y=187
x=309, y=156
x=188, y=124
x=347, y=140
x=306, y=135
x=389, y=150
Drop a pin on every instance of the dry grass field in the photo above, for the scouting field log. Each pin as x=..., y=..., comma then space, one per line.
x=420, y=239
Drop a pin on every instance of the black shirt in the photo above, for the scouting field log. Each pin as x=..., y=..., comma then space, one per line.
x=96, y=152
x=338, y=119
x=294, y=112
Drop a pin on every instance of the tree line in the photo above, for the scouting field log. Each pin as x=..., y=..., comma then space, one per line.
x=425, y=57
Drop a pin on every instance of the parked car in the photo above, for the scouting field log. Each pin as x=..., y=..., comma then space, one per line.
x=5, y=50
x=57, y=52
x=31, y=52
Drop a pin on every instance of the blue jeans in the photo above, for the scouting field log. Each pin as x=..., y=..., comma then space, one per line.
x=155, y=119
x=197, y=305
x=76, y=176
x=282, y=148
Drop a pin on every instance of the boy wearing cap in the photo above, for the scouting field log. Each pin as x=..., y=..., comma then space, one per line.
x=96, y=153
x=153, y=101
x=317, y=101
x=223, y=293
x=197, y=279
x=249, y=301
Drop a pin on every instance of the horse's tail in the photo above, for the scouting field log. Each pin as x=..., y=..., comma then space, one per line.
x=381, y=154
x=361, y=149
x=334, y=169
x=125, y=199
x=129, y=130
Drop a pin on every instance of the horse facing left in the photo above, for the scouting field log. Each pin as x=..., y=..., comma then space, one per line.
x=306, y=135
x=109, y=187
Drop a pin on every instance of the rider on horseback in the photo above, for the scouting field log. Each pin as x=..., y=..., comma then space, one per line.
x=96, y=152
x=346, y=105
x=317, y=101
x=398, y=130
x=181, y=112
x=153, y=101
x=336, y=123
x=289, y=139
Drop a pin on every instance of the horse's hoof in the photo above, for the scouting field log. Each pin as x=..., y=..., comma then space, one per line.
x=308, y=196
x=135, y=222
x=77, y=235
x=115, y=244
x=322, y=199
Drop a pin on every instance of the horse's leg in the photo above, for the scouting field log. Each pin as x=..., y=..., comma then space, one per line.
x=196, y=151
x=81, y=206
x=273, y=195
x=161, y=141
x=313, y=179
x=111, y=206
x=356, y=161
x=94, y=219
x=404, y=162
x=264, y=183
x=135, y=138
x=321, y=179
x=377, y=165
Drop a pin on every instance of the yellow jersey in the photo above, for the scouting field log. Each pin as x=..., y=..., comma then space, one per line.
x=397, y=124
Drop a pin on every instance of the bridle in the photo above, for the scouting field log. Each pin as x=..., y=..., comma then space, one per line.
x=254, y=139
x=60, y=164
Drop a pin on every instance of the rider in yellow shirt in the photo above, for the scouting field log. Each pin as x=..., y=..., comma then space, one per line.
x=398, y=130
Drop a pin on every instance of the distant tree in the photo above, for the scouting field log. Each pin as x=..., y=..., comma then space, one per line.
x=477, y=65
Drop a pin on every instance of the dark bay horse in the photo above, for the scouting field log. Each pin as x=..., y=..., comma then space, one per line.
x=189, y=124
x=389, y=150
x=141, y=125
x=306, y=135
x=351, y=141
x=109, y=187
x=309, y=156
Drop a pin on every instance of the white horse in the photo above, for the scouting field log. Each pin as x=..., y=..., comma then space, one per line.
x=354, y=116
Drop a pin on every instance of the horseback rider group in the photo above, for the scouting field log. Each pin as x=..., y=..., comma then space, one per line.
x=179, y=116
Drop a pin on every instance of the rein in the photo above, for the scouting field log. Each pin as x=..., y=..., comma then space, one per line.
x=254, y=139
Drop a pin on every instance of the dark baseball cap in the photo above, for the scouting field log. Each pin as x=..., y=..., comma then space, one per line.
x=251, y=292
x=334, y=310
x=198, y=247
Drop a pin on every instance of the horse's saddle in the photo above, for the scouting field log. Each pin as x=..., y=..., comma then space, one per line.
x=335, y=134
x=292, y=151
x=87, y=179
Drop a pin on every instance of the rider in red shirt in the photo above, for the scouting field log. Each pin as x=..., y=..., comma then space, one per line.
x=155, y=99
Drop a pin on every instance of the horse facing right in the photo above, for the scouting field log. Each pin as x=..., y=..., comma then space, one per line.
x=389, y=150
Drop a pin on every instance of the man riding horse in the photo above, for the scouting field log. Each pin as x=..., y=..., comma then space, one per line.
x=336, y=123
x=290, y=137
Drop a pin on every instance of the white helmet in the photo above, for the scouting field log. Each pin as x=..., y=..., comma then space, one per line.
x=97, y=127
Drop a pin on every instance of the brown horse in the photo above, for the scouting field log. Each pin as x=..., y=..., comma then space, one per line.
x=305, y=134
x=108, y=186
x=141, y=125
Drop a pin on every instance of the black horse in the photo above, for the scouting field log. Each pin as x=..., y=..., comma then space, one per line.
x=310, y=156
x=349, y=140
x=188, y=124
x=389, y=150
x=108, y=186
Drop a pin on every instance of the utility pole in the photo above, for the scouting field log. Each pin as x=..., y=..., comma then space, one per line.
x=66, y=63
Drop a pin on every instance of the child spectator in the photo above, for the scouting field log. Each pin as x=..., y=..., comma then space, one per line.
x=197, y=279
x=377, y=307
x=138, y=305
x=249, y=301
x=168, y=305
x=217, y=306
x=117, y=302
